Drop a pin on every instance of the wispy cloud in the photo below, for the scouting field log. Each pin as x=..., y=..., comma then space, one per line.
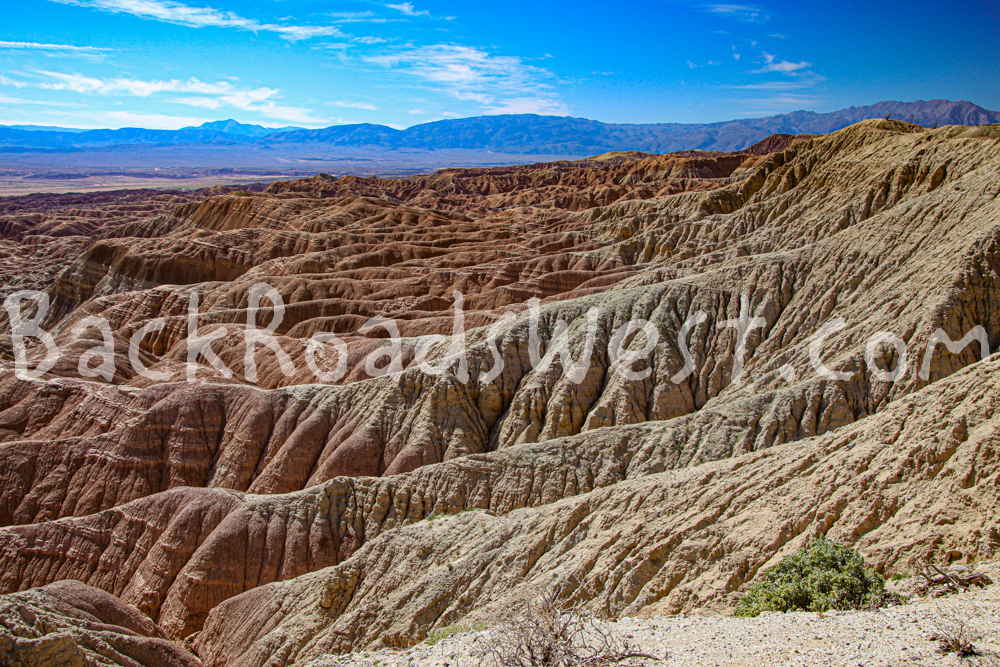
x=779, y=103
x=771, y=64
x=189, y=92
x=93, y=119
x=348, y=104
x=693, y=65
x=796, y=84
x=36, y=46
x=748, y=13
x=203, y=102
x=341, y=47
x=170, y=11
x=367, y=16
x=15, y=83
x=535, y=105
x=497, y=83
x=42, y=103
x=151, y=120
x=78, y=83
x=408, y=9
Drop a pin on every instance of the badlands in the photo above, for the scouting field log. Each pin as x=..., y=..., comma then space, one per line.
x=770, y=361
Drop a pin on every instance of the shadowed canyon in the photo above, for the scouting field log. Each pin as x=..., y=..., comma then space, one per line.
x=230, y=506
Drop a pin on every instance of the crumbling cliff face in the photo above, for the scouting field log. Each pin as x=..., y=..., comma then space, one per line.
x=268, y=514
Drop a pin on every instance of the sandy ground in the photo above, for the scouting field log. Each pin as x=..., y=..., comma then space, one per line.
x=895, y=636
x=16, y=187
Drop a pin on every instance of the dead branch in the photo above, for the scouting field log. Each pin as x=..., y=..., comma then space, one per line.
x=940, y=582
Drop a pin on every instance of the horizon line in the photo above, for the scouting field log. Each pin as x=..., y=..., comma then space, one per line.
x=56, y=128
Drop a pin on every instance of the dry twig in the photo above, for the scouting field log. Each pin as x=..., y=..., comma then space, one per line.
x=542, y=632
x=941, y=583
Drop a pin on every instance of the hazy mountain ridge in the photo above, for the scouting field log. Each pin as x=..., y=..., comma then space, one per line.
x=242, y=129
x=524, y=134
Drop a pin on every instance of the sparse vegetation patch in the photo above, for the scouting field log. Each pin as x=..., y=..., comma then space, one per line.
x=822, y=577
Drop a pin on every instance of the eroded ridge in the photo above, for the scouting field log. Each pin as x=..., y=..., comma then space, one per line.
x=280, y=516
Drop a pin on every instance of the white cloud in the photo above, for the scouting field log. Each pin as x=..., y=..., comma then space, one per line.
x=783, y=66
x=357, y=17
x=79, y=83
x=149, y=120
x=340, y=48
x=170, y=11
x=408, y=9
x=84, y=118
x=784, y=93
x=780, y=85
x=99, y=119
x=19, y=100
x=14, y=83
x=544, y=107
x=35, y=46
x=285, y=113
x=779, y=103
x=204, y=102
x=496, y=83
x=748, y=13
x=197, y=93
x=353, y=105
x=336, y=47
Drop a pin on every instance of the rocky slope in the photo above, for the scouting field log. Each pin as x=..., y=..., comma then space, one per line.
x=268, y=517
x=893, y=637
x=917, y=481
x=72, y=625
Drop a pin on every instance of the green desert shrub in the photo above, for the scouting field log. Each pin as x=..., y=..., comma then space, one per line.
x=824, y=576
x=437, y=636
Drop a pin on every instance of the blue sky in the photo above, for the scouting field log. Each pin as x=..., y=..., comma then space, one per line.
x=313, y=63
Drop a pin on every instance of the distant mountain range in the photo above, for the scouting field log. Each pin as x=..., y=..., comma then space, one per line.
x=243, y=130
x=557, y=135
x=513, y=134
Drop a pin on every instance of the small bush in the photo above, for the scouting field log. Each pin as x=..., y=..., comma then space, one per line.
x=821, y=577
x=436, y=636
x=957, y=630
